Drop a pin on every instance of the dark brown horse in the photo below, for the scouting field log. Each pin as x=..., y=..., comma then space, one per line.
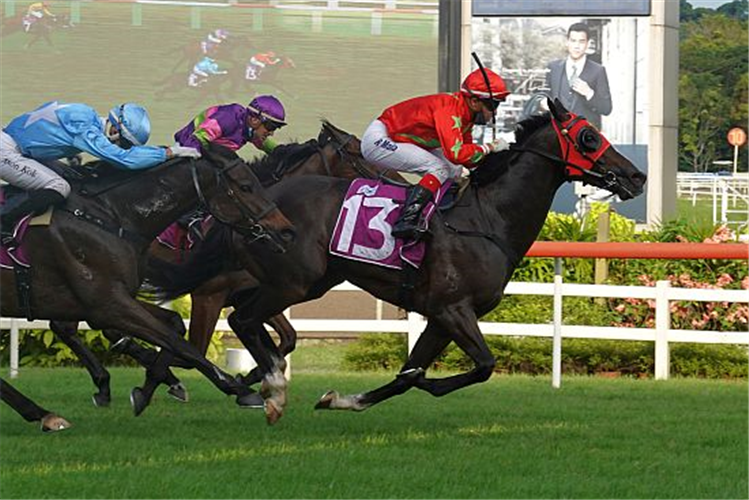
x=88, y=263
x=472, y=251
x=334, y=153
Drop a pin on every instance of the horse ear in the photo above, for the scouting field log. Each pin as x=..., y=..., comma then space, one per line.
x=558, y=110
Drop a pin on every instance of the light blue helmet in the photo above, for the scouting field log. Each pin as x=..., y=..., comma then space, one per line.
x=132, y=122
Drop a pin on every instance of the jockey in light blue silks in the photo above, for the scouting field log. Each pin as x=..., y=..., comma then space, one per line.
x=56, y=130
x=202, y=71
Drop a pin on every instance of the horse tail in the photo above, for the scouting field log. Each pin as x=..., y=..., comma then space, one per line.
x=165, y=281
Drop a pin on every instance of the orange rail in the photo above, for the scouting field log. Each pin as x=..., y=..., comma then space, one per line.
x=639, y=250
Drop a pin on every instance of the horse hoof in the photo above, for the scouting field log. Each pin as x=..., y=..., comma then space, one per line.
x=54, y=423
x=138, y=401
x=179, y=392
x=101, y=400
x=326, y=400
x=252, y=400
x=273, y=412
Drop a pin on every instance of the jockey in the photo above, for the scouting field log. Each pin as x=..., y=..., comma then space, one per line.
x=431, y=135
x=202, y=71
x=259, y=62
x=36, y=12
x=56, y=130
x=234, y=125
x=213, y=40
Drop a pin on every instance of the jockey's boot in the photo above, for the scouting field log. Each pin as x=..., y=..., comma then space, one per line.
x=35, y=202
x=408, y=224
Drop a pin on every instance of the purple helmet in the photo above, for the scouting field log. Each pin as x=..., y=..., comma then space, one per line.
x=268, y=108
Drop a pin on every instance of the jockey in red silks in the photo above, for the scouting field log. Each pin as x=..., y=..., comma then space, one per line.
x=431, y=135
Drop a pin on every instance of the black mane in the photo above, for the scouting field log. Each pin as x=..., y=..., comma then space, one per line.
x=495, y=165
x=270, y=168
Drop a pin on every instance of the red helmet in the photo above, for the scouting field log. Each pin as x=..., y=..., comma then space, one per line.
x=475, y=85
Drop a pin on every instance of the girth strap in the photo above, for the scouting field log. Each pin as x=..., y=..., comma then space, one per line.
x=511, y=255
x=23, y=289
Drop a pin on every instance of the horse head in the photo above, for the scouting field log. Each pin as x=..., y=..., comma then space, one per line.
x=343, y=153
x=589, y=157
x=242, y=203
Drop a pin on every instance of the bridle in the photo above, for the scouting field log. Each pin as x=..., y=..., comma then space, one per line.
x=582, y=147
x=254, y=230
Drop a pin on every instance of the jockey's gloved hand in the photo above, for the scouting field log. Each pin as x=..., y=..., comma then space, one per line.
x=497, y=145
x=184, y=151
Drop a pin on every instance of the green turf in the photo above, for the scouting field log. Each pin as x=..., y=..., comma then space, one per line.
x=512, y=437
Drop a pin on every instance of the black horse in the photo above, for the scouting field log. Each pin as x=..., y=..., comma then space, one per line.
x=88, y=263
x=334, y=153
x=471, y=255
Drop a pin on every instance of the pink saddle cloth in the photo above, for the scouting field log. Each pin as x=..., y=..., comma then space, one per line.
x=363, y=230
x=15, y=254
x=178, y=238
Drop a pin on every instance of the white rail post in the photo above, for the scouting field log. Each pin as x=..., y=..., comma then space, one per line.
x=287, y=372
x=13, y=348
x=662, y=325
x=415, y=327
x=556, y=354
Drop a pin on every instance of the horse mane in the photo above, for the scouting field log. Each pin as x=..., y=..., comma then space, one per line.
x=269, y=166
x=167, y=281
x=497, y=164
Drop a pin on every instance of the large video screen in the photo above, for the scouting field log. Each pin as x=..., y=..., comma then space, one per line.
x=599, y=70
x=345, y=64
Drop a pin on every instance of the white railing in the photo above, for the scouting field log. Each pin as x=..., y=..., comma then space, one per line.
x=729, y=195
x=663, y=335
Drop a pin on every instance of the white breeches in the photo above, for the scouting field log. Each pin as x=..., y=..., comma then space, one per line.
x=377, y=147
x=27, y=173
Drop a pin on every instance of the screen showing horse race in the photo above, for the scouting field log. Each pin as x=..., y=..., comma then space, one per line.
x=178, y=58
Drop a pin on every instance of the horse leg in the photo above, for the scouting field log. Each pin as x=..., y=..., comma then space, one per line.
x=31, y=411
x=204, y=314
x=286, y=333
x=257, y=340
x=67, y=331
x=157, y=364
x=429, y=345
x=465, y=332
x=134, y=316
x=144, y=356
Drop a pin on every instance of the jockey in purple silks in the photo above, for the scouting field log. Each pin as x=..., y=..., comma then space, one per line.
x=234, y=125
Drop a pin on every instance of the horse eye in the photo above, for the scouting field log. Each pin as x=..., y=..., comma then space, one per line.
x=247, y=188
x=589, y=140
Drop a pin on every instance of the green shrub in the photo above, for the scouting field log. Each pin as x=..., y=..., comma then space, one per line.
x=533, y=355
x=391, y=349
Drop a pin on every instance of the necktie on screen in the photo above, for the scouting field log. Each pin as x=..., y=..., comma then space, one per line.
x=574, y=73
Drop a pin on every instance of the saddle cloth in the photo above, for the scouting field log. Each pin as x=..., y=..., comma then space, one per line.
x=179, y=238
x=363, y=230
x=19, y=254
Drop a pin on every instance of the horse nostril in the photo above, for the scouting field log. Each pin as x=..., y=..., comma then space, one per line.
x=639, y=178
x=288, y=235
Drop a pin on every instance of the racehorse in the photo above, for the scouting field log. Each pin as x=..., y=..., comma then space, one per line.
x=470, y=257
x=334, y=153
x=88, y=263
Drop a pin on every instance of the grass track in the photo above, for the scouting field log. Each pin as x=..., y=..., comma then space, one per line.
x=513, y=437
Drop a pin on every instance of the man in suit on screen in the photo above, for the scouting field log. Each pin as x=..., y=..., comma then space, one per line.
x=580, y=83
